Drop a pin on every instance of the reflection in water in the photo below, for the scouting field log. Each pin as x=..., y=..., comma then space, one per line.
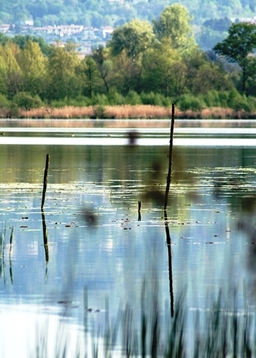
x=45, y=237
x=112, y=257
x=168, y=244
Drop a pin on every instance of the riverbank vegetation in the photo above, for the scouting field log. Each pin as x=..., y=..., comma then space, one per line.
x=146, y=65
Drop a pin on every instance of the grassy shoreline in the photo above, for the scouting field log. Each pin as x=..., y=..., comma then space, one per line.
x=124, y=112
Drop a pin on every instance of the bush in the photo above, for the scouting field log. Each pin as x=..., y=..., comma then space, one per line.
x=26, y=101
x=99, y=99
x=154, y=99
x=99, y=112
x=133, y=98
x=115, y=98
x=79, y=101
x=189, y=102
x=4, y=102
x=211, y=99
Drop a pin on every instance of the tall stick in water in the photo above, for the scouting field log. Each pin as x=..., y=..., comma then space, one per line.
x=45, y=179
x=169, y=175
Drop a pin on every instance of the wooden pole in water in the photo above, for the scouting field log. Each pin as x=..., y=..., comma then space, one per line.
x=169, y=175
x=168, y=243
x=139, y=207
x=45, y=237
x=45, y=179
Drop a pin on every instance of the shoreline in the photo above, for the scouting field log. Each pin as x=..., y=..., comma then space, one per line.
x=126, y=123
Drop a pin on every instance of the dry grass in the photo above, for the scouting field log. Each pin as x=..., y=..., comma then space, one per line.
x=125, y=112
x=64, y=112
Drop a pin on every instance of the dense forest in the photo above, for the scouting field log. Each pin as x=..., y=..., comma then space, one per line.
x=157, y=62
x=115, y=12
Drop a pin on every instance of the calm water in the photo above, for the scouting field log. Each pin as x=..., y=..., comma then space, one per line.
x=94, y=239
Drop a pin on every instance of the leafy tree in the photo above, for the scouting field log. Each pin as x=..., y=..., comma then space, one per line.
x=10, y=68
x=61, y=74
x=174, y=24
x=90, y=74
x=134, y=37
x=158, y=68
x=33, y=66
x=104, y=64
x=238, y=46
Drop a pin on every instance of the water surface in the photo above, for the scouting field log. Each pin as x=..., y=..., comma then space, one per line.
x=94, y=238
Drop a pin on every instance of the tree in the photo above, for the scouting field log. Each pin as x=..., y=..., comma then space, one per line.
x=134, y=37
x=91, y=74
x=104, y=64
x=61, y=72
x=174, y=24
x=238, y=46
x=33, y=66
x=159, y=69
x=11, y=69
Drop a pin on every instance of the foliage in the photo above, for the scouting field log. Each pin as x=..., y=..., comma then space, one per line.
x=175, y=25
x=190, y=102
x=134, y=37
x=240, y=43
x=26, y=100
x=151, y=72
x=101, y=13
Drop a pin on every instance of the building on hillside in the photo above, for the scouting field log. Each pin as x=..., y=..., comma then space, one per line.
x=4, y=28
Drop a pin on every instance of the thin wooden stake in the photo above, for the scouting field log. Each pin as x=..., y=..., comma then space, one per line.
x=139, y=207
x=169, y=175
x=45, y=179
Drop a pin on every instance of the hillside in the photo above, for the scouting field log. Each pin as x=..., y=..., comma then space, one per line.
x=98, y=13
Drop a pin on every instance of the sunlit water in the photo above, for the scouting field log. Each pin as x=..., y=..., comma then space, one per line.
x=95, y=242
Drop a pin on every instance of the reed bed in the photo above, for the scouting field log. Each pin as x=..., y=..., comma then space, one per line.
x=127, y=112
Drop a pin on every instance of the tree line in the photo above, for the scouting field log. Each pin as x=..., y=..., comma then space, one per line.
x=156, y=62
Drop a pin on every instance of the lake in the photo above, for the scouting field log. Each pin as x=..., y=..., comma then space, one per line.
x=89, y=251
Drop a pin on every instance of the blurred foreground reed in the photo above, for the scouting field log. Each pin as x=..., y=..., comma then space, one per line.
x=223, y=329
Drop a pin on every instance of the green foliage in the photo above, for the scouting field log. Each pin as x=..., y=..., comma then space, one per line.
x=115, y=98
x=133, y=98
x=241, y=42
x=155, y=99
x=174, y=24
x=99, y=100
x=4, y=102
x=26, y=101
x=134, y=37
x=190, y=102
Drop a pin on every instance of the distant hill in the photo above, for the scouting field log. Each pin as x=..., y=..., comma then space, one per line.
x=98, y=13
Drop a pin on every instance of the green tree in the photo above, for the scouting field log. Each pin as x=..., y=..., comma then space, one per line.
x=174, y=24
x=159, y=69
x=33, y=66
x=238, y=46
x=104, y=64
x=134, y=37
x=10, y=69
x=61, y=74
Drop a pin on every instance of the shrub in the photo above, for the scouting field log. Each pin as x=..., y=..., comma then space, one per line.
x=211, y=99
x=27, y=101
x=99, y=100
x=79, y=101
x=115, y=98
x=189, y=102
x=99, y=112
x=4, y=102
x=152, y=98
x=133, y=98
